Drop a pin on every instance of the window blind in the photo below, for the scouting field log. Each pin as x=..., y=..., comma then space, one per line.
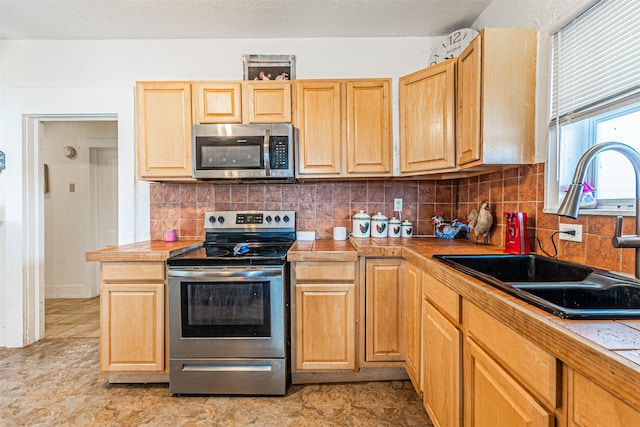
x=596, y=58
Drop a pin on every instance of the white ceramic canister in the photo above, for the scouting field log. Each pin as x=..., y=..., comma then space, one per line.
x=361, y=225
x=379, y=225
x=395, y=227
x=407, y=229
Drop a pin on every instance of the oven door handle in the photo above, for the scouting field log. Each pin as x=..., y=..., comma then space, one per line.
x=226, y=368
x=204, y=273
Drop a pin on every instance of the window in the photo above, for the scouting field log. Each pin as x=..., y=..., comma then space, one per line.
x=596, y=98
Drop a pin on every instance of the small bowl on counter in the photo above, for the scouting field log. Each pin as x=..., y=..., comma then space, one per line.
x=305, y=235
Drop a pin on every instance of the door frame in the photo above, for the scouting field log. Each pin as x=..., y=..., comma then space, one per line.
x=94, y=153
x=33, y=219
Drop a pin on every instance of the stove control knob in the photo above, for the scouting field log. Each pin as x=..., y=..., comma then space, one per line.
x=269, y=219
x=212, y=219
x=277, y=218
x=285, y=218
x=221, y=219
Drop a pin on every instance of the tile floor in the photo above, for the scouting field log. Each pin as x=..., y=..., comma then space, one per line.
x=72, y=317
x=56, y=382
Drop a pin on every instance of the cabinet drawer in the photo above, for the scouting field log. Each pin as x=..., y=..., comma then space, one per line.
x=340, y=272
x=441, y=296
x=133, y=271
x=536, y=368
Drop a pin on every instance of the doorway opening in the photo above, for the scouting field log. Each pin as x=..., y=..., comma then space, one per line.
x=73, y=200
x=80, y=166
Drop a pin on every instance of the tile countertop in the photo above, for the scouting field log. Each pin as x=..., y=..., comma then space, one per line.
x=606, y=350
x=150, y=250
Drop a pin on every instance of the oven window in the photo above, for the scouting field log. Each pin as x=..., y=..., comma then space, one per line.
x=219, y=309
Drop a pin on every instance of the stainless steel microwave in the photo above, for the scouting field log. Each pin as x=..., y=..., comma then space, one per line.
x=234, y=151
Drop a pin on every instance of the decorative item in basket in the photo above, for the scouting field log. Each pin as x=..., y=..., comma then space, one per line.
x=454, y=229
x=269, y=67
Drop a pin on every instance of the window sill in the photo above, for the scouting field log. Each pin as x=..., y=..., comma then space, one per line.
x=603, y=211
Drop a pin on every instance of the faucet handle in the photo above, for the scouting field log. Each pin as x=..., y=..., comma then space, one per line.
x=617, y=241
x=620, y=241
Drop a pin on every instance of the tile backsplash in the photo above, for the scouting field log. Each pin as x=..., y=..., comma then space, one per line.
x=322, y=205
x=522, y=189
x=319, y=206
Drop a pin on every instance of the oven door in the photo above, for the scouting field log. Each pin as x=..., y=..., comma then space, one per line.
x=218, y=312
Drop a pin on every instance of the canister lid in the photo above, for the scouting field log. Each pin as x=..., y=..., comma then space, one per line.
x=379, y=217
x=361, y=215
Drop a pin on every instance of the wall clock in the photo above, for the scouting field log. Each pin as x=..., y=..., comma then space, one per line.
x=451, y=45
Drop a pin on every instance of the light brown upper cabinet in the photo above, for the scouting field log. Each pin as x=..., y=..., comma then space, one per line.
x=344, y=128
x=474, y=112
x=242, y=102
x=217, y=102
x=496, y=98
x=266, y=102
x=163, y=130
x=427, y=119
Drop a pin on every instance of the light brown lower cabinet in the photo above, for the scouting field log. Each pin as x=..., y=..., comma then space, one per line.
x=132, y=320
x=384, y=293
x=593, y=406
x=442, y=368
x=479, y=372
x=324, y=316
x=413, y=324
x=492, y=397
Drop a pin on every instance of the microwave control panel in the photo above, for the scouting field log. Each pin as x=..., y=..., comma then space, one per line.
x=279, y=152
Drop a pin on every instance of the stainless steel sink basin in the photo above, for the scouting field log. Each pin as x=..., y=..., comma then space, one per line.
x=565, y=289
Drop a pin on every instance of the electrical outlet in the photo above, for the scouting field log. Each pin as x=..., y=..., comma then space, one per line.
x=397, y=205
x=571, y=227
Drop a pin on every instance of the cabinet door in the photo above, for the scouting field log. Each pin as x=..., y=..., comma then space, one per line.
x=267, y=102
x=217, y=102
x=427, y=119
x=469, y=99
x=319, y=123
x=132, y=333
x=508, y=95
x=442, y=365
x=384, y=335
x=412, y=323
x=592, y=406
x=163, y=130
x=325, y=326
x=369, y=128
x=493, y=398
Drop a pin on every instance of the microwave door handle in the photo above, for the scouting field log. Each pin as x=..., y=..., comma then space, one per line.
x=267, y=160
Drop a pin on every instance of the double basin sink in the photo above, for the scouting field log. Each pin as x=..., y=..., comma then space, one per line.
x=565, y=289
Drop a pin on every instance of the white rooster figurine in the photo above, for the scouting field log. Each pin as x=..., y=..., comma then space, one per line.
x=483, y=222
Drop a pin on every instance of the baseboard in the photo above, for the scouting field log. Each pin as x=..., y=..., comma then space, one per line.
x=364, y=374
x=68, y=291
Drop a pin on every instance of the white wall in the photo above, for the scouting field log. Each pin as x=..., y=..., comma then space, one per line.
x=98, y=77
x=68, y=226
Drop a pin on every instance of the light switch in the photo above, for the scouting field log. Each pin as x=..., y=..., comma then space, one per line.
x=72, y=187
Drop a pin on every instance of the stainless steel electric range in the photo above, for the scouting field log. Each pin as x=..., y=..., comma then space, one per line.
x=229, y=307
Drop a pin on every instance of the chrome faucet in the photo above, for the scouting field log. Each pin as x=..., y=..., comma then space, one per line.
x=571, y=204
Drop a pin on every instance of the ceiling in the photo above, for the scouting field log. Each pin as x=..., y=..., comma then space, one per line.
x=214, y=19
